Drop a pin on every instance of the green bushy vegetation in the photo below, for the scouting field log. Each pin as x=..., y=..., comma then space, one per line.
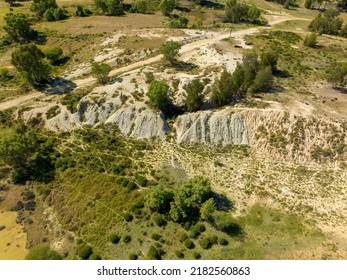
x=43, y=253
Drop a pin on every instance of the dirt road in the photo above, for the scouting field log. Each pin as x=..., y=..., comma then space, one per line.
x=186, y=48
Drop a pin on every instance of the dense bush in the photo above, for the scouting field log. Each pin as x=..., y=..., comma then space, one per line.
x=223, y=221
x=126, y=238
x=55, y=14
x=327, y=23
x=179, y=254
x=195, y=98
x=180, y=22
x=114, y=238
x=18, y=28
x=43, y=253
x=100, y=72
x=31, y=155
x=189, y=244
x=208, y=241
x=133, y=257
x=196, y=230
x=159, y=220
x=110, y=7
x=54, y=55
x=155, y=253
x=82, y=12
x=310, y=40
x=84, y=252
x=158, y=93
x=222, y=241
x=159, y=199
x=188, y=200
x=241, y=12
x=170, y=50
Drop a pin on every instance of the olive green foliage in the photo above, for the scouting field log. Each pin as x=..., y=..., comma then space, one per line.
x=188, y=199
x=241, y=12
x=110, y=7
x=310, y=40
x=84, y=252
x=269, y=58
x=30, y=155
x=30, y=60
x=263, y=80
x=159, y=199
x=180, y=22
x=196, y=230
x=223, y=90
x=207, y=210
x=286, y=3
x=155, y=253
x=55, y=14
x=158, y=93
x=41, y=6
x=328, y=22
x=54, y=55
x=195, y=97
x=100, y=71
x=223, y=221
x=337, y=74
x=159, y=220
x=145, y=6
x=170, y=50
x=167, y=6
x=18, y=28
x=208, y=241
x=43, y=253
x=71, y=99
x=82, y=11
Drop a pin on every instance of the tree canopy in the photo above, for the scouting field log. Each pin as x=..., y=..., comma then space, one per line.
x=195, y=98
x=170, y=50
x=110, y=7
x=18, y=27
x=158, y=93
x=30, y=60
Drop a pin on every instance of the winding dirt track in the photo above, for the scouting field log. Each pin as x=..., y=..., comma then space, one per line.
x=186, y=48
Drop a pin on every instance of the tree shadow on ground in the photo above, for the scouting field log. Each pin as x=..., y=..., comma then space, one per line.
x=59, y=86
x=340, y=89
x=222, y=202
x=184, y=66
x=213, y=5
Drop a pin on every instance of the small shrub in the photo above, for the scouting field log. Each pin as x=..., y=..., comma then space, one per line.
x=196, y=255
x=133, y=256
x=43, y=253
x=208, y=241
x=222, y=241
x=196, y=230
x=189, y=244
x=126, y=238
x=114, y=238
x=84, y=252
x=179, y=254
x=155, y=253
x=155, y=236
x=310, y=40
x=159, y=220
x=95, y=257
x=183, y=237
x=142, y=181
x=128, y=217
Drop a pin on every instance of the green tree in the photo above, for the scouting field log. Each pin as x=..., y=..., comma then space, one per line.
x=167, y=6
x=189, y=198
x=41, y=6
x=263, y=80
x=237, y=79
x=223, y=90
x=207, y=210
x=253, y=13
x=54, y=55
x=309, y=4
x=29, y=60
x=250, y=65
x=110, y=7
x=31, y=156
x=141, y=6
x=55, y=14
x=180, y=22
x=337, y=74
x=18, y=27
x=310, y=40
x=195, y=98
x=43, y=253
x=100, y=71
x=159, y=199
x=82, y=12
x=158, y=93
x=170, y=50
x=269, y=58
